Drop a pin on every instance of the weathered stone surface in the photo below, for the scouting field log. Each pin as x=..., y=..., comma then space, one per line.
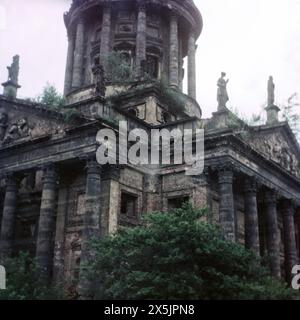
x=272, y=233
x=8, y=217
x=91, y=222
x=251, y=216
x=44, y=245
x=227, y=221
x=99, y=202
x=290, y=248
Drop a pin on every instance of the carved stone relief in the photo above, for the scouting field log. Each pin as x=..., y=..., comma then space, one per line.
x=275, y=148
x=17, y=130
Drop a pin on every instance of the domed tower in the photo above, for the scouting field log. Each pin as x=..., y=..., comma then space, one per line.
x=152, y=36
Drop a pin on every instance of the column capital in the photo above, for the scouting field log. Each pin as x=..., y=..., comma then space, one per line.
x=141, y=5
x=250, y=185
x=92, y=166
x=112, y=172
x=297, y=213
x=288, y=207
x=192, y=34
x=174, y=17
x=81, y=20
x=225, y=172
x=71, y=34
x=50, y=174
x=271, y=197
x=107, y=5
x=11, y=181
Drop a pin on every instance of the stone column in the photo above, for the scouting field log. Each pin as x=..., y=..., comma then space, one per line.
x=60, y=233
x=91, y=224
x=192, y=65
x=226, y=202
x=174, y=51
x=105, y=32
x=297, y=220
x=69, y=64
x=251, y=216
x=44, y=246
x=141, y=38
x=8, y=217
x=290, y=247
x=78, y=56
x=272, y=233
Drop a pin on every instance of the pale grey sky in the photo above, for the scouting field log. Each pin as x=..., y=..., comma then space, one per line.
x=250, y=40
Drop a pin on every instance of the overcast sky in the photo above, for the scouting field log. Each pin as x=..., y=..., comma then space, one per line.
x=250, y=40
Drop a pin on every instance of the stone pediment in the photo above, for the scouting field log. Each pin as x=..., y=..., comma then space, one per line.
x=278, y=145
x=21, y=121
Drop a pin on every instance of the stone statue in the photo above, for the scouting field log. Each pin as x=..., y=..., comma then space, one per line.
x=13, y=70
x=99, y=78
x=271, y=92
x=222, y=91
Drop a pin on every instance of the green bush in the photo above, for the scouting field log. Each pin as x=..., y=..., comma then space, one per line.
x=50, y=97
x=178, y=256
x=117, y=69
x=24, y=283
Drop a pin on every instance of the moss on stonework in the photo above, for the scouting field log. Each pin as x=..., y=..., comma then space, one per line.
x=167, y=95
x=70, y=115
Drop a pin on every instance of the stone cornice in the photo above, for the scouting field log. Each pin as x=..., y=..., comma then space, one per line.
x=185, y=9
x=39, y=108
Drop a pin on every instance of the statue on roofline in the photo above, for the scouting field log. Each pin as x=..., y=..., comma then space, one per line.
x=222, y=95
x=13, y=70
x=271, y=92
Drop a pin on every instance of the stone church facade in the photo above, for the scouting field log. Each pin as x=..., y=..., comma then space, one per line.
x=54, y=196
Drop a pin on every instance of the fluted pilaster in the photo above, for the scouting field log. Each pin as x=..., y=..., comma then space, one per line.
x=78, y=55
x=174, y=51
x=192, y=65
x=141, y=37
x=69, y=64
x=105, y=32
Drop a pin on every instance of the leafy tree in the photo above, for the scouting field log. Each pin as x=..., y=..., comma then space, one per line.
x=51, y=97
x=23, y=282
x=291, y=115
x=178, y=256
